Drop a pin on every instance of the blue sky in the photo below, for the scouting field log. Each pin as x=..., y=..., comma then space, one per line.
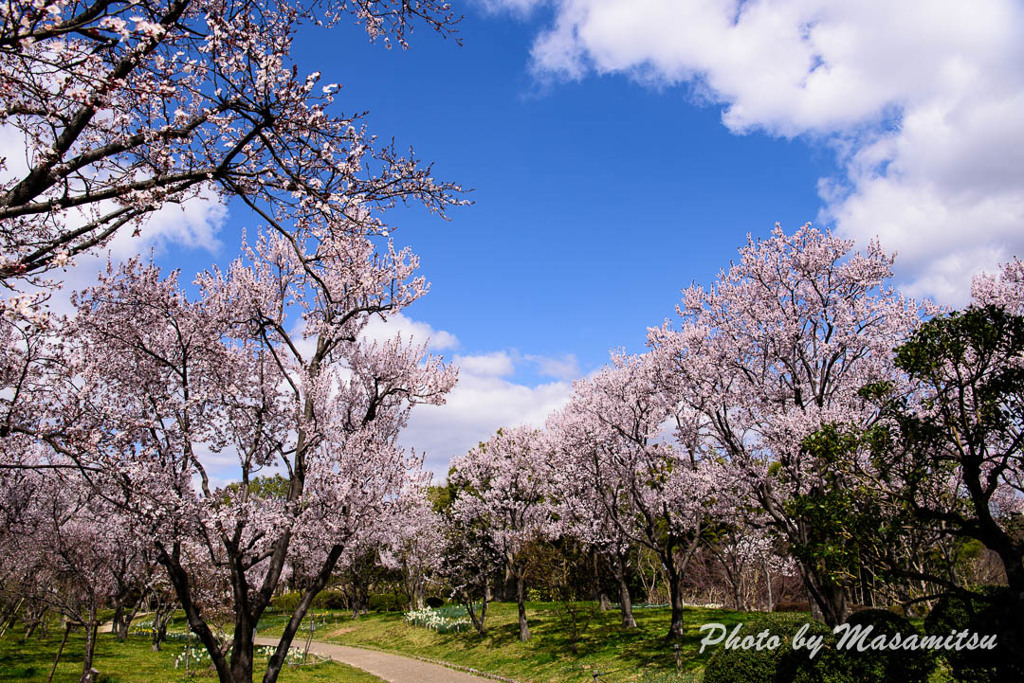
x=620, y=149
x=594, y=202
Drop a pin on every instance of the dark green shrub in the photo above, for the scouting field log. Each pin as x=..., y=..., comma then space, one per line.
x=753, y=666
x=881, y=666
x=827, y=666
x=387, y=602
x=286, y=602
x=993, y=610
x=330, y=600
x=434, y=603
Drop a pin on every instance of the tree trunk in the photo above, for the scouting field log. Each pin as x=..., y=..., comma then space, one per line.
x=625, y=601
x=118, y=624
x=161, y=616
x=10, y=615
x=60, y=650
x=241, y=650
x=478, y=620
x=126, y=622
x=827, y=599
x=524, y=629
x=277, y=659
x=88, y=674
x=675, y=589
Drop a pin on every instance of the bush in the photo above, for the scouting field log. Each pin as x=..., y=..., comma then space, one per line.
x=881, y=666
x=993, y=610
x=752, y=666
x=827, y=666
x=286, y=602
x=433, y=602
x=785, y=664
x=387, y=602
x=330, y=600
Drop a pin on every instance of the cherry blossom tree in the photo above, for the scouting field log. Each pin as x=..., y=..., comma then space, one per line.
x=663, y=496
x=414, y=545
x=778, y=349
x=750, y=557
x=590, y=499
x=127, y=107
x=70, y=550
x=469, y=563
x=267, y=365
x=501, y=490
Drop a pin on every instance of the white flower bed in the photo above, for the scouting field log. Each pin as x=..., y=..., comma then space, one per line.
x=432, y=619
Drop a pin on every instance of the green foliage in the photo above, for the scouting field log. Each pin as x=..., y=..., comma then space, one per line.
x=262, y=488
x=827, y=666
x=330, y=600
x=840, y=521
x=286, y=602
x=992, y=610
x=387, y=602
x=881, y=666
x=753, y=666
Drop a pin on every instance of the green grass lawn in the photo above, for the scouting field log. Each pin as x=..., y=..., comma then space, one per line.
x=133, y=661
x=640, y=654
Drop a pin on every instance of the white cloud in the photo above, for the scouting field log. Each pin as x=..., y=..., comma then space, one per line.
x=497, y=364
x=476, y=408
x=484, y=400
x=565, y=367
x=192, y=224
x=921, y=99
x=412, y=331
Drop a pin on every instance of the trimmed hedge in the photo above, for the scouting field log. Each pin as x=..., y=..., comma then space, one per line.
x=763, y=666
x=387, y=602
x=827, y=666
x=881, y=666
x=287, y=602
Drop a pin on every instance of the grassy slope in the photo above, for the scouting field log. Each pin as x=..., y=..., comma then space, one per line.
x=132, y=662
x=627, y=655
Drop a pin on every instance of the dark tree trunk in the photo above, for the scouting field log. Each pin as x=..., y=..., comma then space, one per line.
x=127, y=619
x=476, y=618
x=277, y=659
x=118, y=624
x=524, y=629
x=625, y=600
x=675, y=589
x=827, y=600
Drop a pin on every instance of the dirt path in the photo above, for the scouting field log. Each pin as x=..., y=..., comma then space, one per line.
x=391, y=668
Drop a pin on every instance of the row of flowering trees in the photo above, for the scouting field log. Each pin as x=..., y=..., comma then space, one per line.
x=136, y=431
x=800, y=413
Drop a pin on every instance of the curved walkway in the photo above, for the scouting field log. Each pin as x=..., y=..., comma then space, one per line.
x=391, y=668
